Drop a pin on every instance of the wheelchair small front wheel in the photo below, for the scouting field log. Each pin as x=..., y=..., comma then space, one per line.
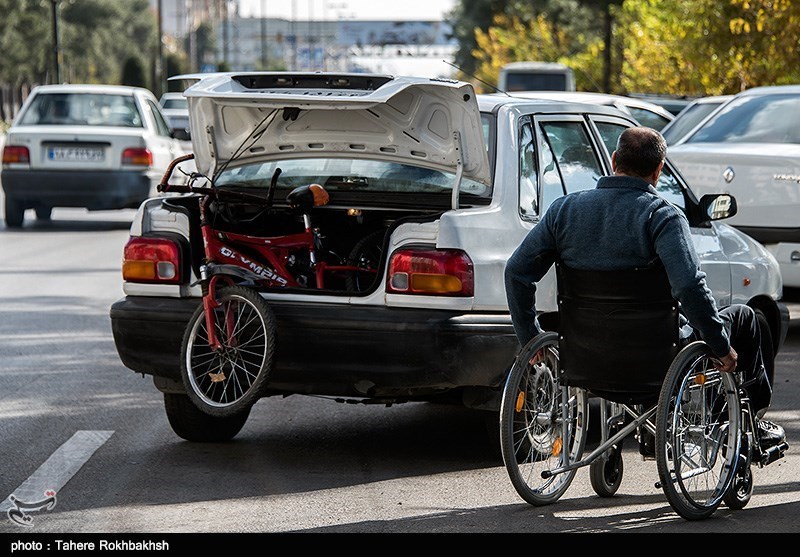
x=741, y=489
x=605, y=473
x=543, y=423
x=698, y=435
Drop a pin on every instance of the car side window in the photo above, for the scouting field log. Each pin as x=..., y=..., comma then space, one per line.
x=610, y=133
x=670, y=189
x=577, y=162
x=552, y=185
x=668, y=186
x=161, y=125
x=528, y=187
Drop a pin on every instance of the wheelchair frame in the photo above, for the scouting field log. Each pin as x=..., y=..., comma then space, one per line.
x=704, y=428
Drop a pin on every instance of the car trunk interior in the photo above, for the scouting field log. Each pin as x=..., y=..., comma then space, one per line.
x=350, y=236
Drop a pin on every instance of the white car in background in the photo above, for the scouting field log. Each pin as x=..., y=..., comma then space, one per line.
x=646, y=113
x=176, y=110
x=436, y=187
x=99, y=147
x=688, y=118
x=750, y=147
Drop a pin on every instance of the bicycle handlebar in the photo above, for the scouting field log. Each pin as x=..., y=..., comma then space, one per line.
x=165, y=186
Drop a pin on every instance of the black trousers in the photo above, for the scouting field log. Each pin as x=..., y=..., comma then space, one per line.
x=757, y=365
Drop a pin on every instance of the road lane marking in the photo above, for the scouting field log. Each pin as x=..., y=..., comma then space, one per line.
x=57, y=470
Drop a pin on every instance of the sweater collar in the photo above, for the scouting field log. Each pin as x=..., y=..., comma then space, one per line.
x=625, y=182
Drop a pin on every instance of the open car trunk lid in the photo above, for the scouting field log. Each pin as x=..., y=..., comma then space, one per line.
x=432, y=123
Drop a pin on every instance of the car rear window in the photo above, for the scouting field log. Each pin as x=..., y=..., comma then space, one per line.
x=362, y=175
x=182, y=104
x=82, y=109
x=754, y=119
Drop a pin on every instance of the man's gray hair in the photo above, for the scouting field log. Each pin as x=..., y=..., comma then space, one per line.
x=639, y=151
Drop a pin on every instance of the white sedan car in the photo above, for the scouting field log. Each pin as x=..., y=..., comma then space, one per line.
x=750, y=147
x=432, y=188
x=93, y=146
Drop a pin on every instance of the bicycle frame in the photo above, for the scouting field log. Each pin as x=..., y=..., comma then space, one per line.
x=227, y=252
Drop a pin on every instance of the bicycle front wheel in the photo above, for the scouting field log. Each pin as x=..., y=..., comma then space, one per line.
x=229, y=379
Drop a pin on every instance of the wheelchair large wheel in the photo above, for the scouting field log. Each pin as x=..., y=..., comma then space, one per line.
x=228, y=381
x=543, y=423
x=698, y=433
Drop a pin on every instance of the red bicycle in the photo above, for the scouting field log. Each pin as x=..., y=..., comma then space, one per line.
x=228, y=348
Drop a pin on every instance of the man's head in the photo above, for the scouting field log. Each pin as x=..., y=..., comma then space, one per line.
x=640, y=152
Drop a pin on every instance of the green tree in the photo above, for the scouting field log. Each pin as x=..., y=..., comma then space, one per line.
x=707, y=47
x=99, y=35
x=557, y=31
x=205, y=45
x=176, y=65
x=467, y=18
x=133, y=73
x=25, y=55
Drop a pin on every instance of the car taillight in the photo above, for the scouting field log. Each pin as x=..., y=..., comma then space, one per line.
x=16, y=154
x=439, y=272
x=137, y=156
x=151, y=260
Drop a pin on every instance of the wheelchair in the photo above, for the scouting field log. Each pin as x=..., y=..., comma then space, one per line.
x=618, y=340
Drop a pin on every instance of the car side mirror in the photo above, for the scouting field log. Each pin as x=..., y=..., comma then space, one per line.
x=718, y=206
x=182, y=134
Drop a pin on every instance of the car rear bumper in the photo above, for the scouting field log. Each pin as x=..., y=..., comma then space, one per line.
x=96, y=190
x=339, y=350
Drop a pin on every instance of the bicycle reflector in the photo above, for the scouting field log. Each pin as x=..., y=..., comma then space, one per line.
x=442, y=272
x=151, y=260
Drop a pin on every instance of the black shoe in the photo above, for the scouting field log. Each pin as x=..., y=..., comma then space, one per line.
x=770, y=434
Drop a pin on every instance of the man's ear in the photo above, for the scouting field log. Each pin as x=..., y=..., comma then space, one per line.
x=657, y=173
x=614, y=161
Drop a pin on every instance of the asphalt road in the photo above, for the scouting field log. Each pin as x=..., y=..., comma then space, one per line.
x=73, y=419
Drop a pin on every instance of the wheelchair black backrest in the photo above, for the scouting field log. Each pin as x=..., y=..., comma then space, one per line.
x=618, y=331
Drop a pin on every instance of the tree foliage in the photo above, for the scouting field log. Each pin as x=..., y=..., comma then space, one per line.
x=96, y=37
x=686, y=47
x=467, y=19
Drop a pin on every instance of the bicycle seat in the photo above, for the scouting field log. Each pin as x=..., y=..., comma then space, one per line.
x=303, y=198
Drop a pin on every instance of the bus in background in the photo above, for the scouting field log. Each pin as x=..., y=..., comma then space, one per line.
x=536, y=76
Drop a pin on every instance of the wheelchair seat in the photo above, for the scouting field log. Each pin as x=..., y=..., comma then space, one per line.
x=618, y=331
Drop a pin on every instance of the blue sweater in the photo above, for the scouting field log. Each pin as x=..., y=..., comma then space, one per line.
x=621, y=224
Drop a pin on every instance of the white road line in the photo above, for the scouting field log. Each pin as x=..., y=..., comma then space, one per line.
x=59, y=468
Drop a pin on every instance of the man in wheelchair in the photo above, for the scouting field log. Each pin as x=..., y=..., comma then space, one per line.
x=624, y=224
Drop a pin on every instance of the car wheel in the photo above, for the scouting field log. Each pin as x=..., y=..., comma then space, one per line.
x=192, y=424
x=44, y=213
x=15, y=212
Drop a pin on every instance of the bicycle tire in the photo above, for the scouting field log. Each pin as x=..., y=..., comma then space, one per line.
x=367, y=254
x=230, y=380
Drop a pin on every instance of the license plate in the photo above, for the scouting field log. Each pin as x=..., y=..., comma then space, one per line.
x=76, y=154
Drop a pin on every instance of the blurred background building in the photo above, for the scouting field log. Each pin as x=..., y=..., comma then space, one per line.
x=219, y=35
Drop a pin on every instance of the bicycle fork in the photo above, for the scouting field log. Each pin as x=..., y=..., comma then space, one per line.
x=210, y=304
